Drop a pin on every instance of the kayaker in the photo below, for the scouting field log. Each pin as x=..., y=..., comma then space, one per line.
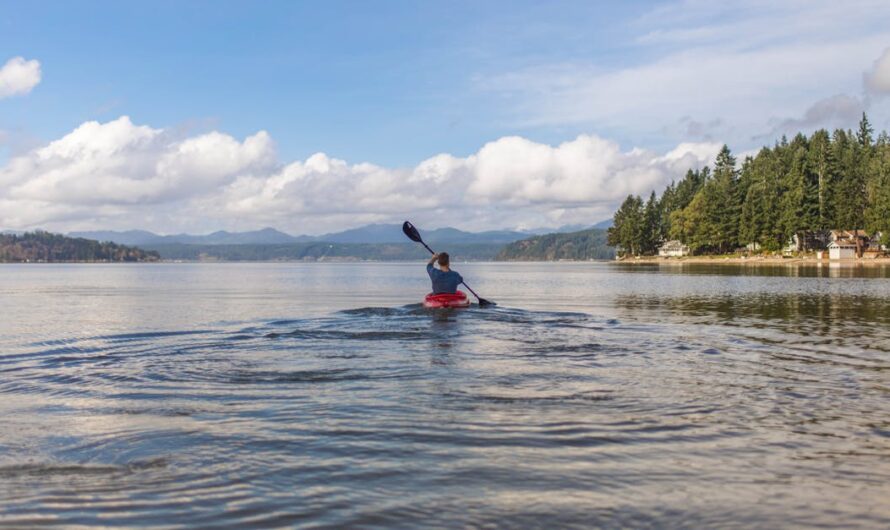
x=444, y=279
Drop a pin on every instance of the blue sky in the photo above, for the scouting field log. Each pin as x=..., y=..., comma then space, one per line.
x=391, y=82
x=313, y=116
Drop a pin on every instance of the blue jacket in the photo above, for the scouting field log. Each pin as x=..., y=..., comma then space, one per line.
x=443, y=282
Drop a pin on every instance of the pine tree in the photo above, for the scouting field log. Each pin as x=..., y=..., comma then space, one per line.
x=877, y=215
x=626, y=232
x=651, y=226
x=821, y=165
x=863, y=135
x=848, y=194
x=700, y=232
x=724, y=207
x=799, y=202
x=754, y=225
x=667, y=205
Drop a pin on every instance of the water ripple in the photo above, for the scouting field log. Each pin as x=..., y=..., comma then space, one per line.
x=404, y=417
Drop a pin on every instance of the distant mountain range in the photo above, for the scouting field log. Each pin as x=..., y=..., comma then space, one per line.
x=266, y=236
x=378, y=242
x=369, y=234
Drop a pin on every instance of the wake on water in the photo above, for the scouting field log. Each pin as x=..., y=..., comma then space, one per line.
x=404, y=416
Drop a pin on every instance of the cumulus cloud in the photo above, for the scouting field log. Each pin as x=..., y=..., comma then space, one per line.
x=102, y=169
x=122, y=175
x=510, y=182
x=18, y=76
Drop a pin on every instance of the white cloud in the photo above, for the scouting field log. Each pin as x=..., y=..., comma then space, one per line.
x=877, y=80
x=509, y=182
x=117, y=168
x=18, y=76
x=121, y=175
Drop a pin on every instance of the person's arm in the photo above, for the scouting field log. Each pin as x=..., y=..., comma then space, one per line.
x=429, y=266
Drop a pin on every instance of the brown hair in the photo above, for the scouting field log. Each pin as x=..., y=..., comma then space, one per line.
x=444, y=259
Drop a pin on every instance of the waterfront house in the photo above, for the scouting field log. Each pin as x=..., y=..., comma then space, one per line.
x=841, y=249
x=851, y=236
x=673, y=249
x=858, y=238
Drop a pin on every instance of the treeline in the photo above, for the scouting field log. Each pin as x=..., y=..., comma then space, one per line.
x=583, y=245
x=319, y=251
x=47, y=247
x=826, y=181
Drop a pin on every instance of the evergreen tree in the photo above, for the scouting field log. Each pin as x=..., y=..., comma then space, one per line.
x=820, y=164
x=848, y=193
x=724, y=206
x=799, y=204
x=694, y=225
x=863, y=135
x=756, y=223
x=651, y=226
x=877, y=215
x=626, y=232
x=666, y=206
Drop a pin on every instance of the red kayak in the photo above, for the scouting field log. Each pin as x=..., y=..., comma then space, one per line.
x=445, y=300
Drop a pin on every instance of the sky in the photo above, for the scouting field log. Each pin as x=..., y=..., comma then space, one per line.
x=318, y=116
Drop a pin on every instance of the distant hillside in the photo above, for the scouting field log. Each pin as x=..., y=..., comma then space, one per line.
x=142, y=237
x=583, y=245
x=320, y=251
x=392, y=233
x=47, y=247
x=369, y=234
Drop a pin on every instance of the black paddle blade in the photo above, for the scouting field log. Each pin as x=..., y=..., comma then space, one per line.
x=485, y=303
x=411, y=232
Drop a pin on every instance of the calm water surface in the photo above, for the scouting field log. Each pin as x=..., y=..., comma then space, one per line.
x=324, y=396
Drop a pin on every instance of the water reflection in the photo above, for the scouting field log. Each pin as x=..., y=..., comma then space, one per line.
x=825, y=269
x=830, y=312
x=234, y=400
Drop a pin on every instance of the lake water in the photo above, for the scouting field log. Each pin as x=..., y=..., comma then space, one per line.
x=323, y=395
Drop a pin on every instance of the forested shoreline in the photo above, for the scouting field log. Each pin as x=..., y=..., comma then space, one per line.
x=581, y=245
x=46, y=247
x=827, y=181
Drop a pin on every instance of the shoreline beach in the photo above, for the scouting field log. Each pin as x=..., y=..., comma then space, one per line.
x=754, y=260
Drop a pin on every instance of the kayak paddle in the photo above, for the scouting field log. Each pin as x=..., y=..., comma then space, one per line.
x=414, y=235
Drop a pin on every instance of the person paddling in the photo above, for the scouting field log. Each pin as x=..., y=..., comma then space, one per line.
x=414, y=235
x=445, y=280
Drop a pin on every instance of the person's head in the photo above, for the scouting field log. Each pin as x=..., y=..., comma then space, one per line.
x=444, y=259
